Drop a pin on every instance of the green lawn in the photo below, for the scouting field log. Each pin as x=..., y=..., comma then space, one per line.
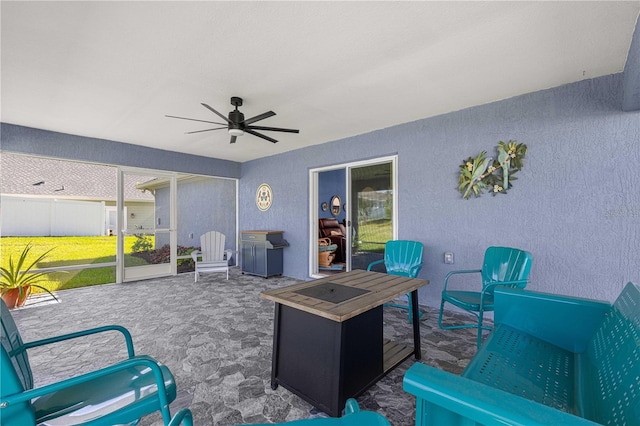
x=373, y=234
x=71, y=251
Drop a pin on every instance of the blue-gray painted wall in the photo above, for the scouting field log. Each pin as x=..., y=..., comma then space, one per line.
x=331, y=183
x=211, y=207
x=203, y=205
x=27, y=140
x=575, y=205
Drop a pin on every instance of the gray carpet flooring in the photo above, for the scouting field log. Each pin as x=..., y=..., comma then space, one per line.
x=216, y=338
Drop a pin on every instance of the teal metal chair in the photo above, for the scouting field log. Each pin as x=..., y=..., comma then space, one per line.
x=502, y=266
x=403, y=258
x=182, y=417
x=352, y=417
x=121, y=393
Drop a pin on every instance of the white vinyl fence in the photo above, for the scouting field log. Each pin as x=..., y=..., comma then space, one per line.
x=43, y=217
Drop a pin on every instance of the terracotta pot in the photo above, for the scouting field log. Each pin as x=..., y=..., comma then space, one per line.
x=12, y=297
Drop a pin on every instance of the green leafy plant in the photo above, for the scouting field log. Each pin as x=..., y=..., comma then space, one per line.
x=18, y=276
x=479, y=174
x=143, y=243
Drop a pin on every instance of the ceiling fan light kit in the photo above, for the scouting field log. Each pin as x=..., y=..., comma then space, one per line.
x=237, y=125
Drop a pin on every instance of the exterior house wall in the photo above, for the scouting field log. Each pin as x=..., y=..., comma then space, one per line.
x=139, y=215
x=204, y=204
x=575, y=205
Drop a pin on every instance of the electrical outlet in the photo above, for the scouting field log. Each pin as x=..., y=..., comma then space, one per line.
x=448, y=257
x=191, y=235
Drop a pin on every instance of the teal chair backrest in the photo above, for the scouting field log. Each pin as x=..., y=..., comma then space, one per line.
x=613, y=367
x=403, y=257
x=506, y=264
x=15, y=372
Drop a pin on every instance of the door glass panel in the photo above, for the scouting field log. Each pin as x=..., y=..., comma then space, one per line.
x=372, y=213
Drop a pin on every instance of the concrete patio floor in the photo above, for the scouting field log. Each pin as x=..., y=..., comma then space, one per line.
x=216, y=338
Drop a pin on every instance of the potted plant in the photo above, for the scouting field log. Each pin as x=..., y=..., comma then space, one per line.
x=16, y=280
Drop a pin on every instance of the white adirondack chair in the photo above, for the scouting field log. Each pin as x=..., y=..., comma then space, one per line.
x=213, y=257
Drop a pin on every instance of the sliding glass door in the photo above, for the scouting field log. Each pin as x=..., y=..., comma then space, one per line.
x=368, y=192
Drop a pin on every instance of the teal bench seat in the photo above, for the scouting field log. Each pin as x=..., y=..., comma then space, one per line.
x=549, y=360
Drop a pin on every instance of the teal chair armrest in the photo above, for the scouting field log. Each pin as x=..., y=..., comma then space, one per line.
x=466, y=271
x=445, y=398
x=63, y=337
x=182, y=417
x=123, y=365
x=377, y=262
x=415, y=270
x=489, y=288
x=564, y=321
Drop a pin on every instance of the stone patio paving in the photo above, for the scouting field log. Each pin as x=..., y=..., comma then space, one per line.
x=216, y=337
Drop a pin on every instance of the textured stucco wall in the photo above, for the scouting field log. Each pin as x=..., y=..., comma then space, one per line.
x=203, y=205
x=207, y=205
x=575, y=205
x=27, y=140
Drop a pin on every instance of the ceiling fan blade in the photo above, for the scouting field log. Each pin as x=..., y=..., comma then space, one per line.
x=233, y=139
x=216, y=112
x=258, y=117
x=260, y=135
x=274, y=129
x=194, y=119
x=206, y=130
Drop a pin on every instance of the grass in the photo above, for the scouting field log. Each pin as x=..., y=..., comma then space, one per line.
x=373, y=234
x=71, y=251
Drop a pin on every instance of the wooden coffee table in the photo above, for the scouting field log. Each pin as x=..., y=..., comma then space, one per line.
x=328, y=344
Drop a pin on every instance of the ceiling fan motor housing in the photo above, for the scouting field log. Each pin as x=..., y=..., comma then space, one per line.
x=236, y=118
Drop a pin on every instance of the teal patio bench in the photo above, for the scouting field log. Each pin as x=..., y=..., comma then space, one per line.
x=550, y=360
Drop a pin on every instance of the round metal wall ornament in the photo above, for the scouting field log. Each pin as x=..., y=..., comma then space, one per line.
x=264, y=197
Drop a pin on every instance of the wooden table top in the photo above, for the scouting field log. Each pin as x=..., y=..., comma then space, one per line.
x=381, y=288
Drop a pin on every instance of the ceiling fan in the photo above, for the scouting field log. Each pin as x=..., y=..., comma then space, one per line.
x=237, y=125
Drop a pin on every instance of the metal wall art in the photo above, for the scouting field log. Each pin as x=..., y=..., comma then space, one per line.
x=480, y=173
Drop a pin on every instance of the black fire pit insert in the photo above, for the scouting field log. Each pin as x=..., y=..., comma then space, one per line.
x=332, y=292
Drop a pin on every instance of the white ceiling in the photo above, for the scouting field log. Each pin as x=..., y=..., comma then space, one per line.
x=113, y=70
